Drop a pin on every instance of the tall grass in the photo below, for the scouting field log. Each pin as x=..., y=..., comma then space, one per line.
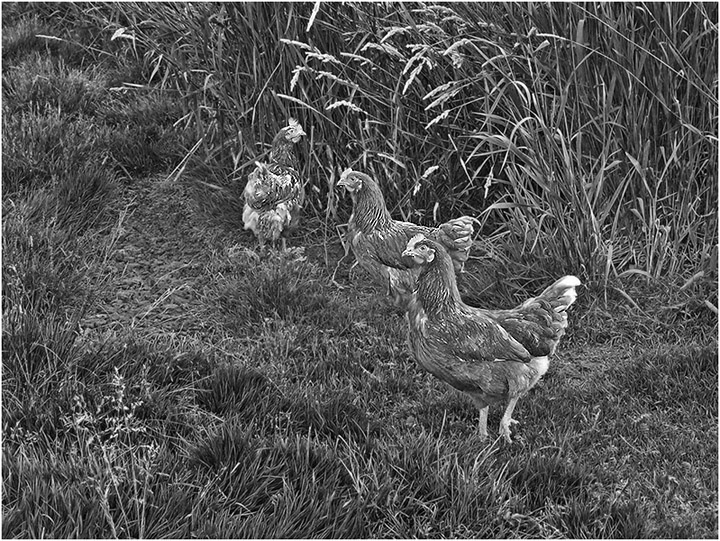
x=584, y=136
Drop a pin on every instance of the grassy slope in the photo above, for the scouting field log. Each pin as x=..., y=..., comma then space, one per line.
x=297, y=411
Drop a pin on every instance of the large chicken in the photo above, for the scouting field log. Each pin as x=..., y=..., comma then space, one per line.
x=274, y=193
x=378, y=241
x=492, y=355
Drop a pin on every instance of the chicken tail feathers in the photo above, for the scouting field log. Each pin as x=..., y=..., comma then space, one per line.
x=540, y=322
x=562, y=293
x=456, y=236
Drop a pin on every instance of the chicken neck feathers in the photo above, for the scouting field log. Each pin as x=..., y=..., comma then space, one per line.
x=282, y=154
x=370, y=212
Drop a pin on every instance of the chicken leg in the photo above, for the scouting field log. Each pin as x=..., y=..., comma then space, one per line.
x=482, y=427
x=507, y=419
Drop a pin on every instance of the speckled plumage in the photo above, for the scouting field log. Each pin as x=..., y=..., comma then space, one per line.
x=493, y=355
x=377, y=240
x=274, y=193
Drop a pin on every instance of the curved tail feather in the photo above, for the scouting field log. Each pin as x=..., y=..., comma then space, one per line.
x=456, y=237
x=562, y=293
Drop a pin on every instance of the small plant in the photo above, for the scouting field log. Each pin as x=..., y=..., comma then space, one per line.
x=114, y=417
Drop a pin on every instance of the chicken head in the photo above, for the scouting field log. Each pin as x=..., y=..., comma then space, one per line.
x=293, y=132
x=420, y=249
x=350, y=180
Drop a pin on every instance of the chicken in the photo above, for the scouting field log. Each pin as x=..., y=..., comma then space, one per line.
x=492, y=355
x=378, y=241
x=274, y=194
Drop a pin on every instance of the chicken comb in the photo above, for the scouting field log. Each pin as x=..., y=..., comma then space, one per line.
x=293, y=123
x=417, y=238
x=345, y=173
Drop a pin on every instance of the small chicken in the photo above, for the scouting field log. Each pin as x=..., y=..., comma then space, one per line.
x=274, y=193
x=492, y=355
x=378, y=241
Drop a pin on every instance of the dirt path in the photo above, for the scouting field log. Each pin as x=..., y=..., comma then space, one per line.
x=158, y=270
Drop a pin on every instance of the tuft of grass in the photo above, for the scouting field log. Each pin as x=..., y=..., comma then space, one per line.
x=254, y=287
x=300, y=484
x=573, y=491
x=61, y=117
x=46, y=149
x=39, y=82
x=26, y=31
x=238, y=392
x=332, y=418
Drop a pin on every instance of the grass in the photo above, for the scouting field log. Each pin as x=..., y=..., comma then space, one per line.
x=535, y=119
x=293, y=409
